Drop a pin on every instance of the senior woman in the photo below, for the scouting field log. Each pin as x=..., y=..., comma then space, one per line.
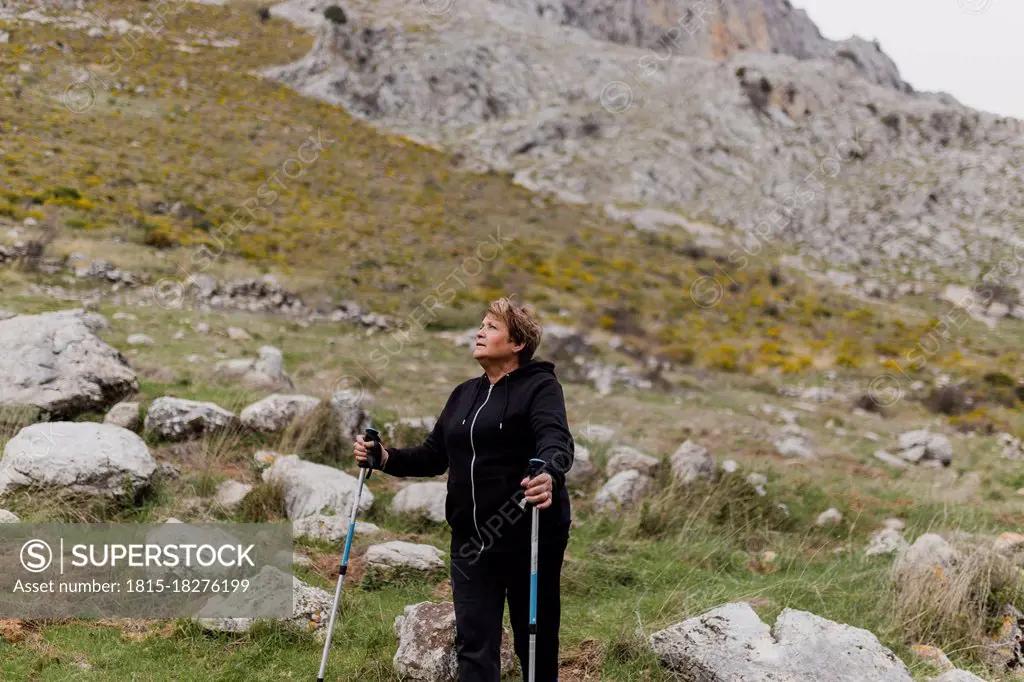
x=487, y=482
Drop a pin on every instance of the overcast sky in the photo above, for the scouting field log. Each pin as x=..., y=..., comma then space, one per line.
x=972, y=49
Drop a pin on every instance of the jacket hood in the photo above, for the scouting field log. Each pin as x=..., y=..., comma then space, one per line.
x=529, y=368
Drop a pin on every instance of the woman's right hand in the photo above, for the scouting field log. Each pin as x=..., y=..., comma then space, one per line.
x=360, y=450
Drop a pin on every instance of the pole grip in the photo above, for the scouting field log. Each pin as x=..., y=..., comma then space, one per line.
x=373, y=451
x=534, y=467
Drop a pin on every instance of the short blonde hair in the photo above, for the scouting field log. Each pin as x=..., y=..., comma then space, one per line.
x=522, y=324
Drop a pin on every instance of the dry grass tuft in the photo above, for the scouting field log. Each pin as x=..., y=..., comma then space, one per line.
x=316, y=438
x=958, y=608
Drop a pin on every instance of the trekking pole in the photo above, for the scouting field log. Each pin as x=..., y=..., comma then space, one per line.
x=373, y=455
x=534, y=468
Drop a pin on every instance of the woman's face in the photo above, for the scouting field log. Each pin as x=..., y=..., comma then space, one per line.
x=492, y=342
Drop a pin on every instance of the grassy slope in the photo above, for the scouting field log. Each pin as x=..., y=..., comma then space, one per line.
x=686, y=553
x=379, y=219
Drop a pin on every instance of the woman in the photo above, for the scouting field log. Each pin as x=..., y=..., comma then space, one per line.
x=487, y=483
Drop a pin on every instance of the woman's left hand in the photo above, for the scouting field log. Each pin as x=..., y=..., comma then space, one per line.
x=538, y=490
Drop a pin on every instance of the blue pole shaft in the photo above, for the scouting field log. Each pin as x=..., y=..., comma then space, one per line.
x=533, y=594
x=341, y=575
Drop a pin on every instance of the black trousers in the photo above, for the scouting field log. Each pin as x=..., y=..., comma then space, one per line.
x=480, y=585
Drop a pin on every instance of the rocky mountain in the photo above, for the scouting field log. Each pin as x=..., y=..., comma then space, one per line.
x=754, y=132
x=715, y=29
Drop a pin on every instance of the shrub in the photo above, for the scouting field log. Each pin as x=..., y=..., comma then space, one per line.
x=13, y=418
x=624, y=319
x=265, y=502
x=36, y=248
x=446, y=318
x=999, y=379
x=158, y=235
x=867, y=403
x=336, y=14
x=796, y=364
x=63, y=194
x=316, y=438
x=977, y=420
x=729, y=503
x=677, y=352
x=723, y=357
x=949, y=400
x=847, y=360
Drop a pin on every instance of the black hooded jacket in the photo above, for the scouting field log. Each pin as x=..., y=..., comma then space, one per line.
x=485, y=436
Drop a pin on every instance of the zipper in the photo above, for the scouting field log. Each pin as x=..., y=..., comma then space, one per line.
x=472, y=463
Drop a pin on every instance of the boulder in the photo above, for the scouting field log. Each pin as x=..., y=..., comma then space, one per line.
x=1012, y=447
x=179, y=419
x=311, y=606
x=623, y=457
x=940, y=449
x=582, y=468
x=264, y=371
x=598, y=433
x=55, y=362
x=309, y=487
x=8, y=517
x=691, y=462
x=932, y=655
x=230, y=493
x=238, y=334
x=891, y=460
x=329, y=528
x=347, y=406
x=732, y=644
x=126, y=415
x=895, y=524
x=758, y=483
x=957, y=676
x=914, y=454
x=1005, y=650
x=1009, y=543
x=829, y=517
x=886, y=541
x=425, y=499
x=175, y=532
x=275, y=412
x=794, y=446
x=80, y=457
x=405, y=556
x=264, y=458
x=624, y=490
x=926, y=559
x=924, y=446
x=140, y=340
x=413, y=428
x=426, y=644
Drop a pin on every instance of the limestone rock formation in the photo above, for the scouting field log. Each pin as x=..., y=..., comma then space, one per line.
x=754, y=122
x=56, y=363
